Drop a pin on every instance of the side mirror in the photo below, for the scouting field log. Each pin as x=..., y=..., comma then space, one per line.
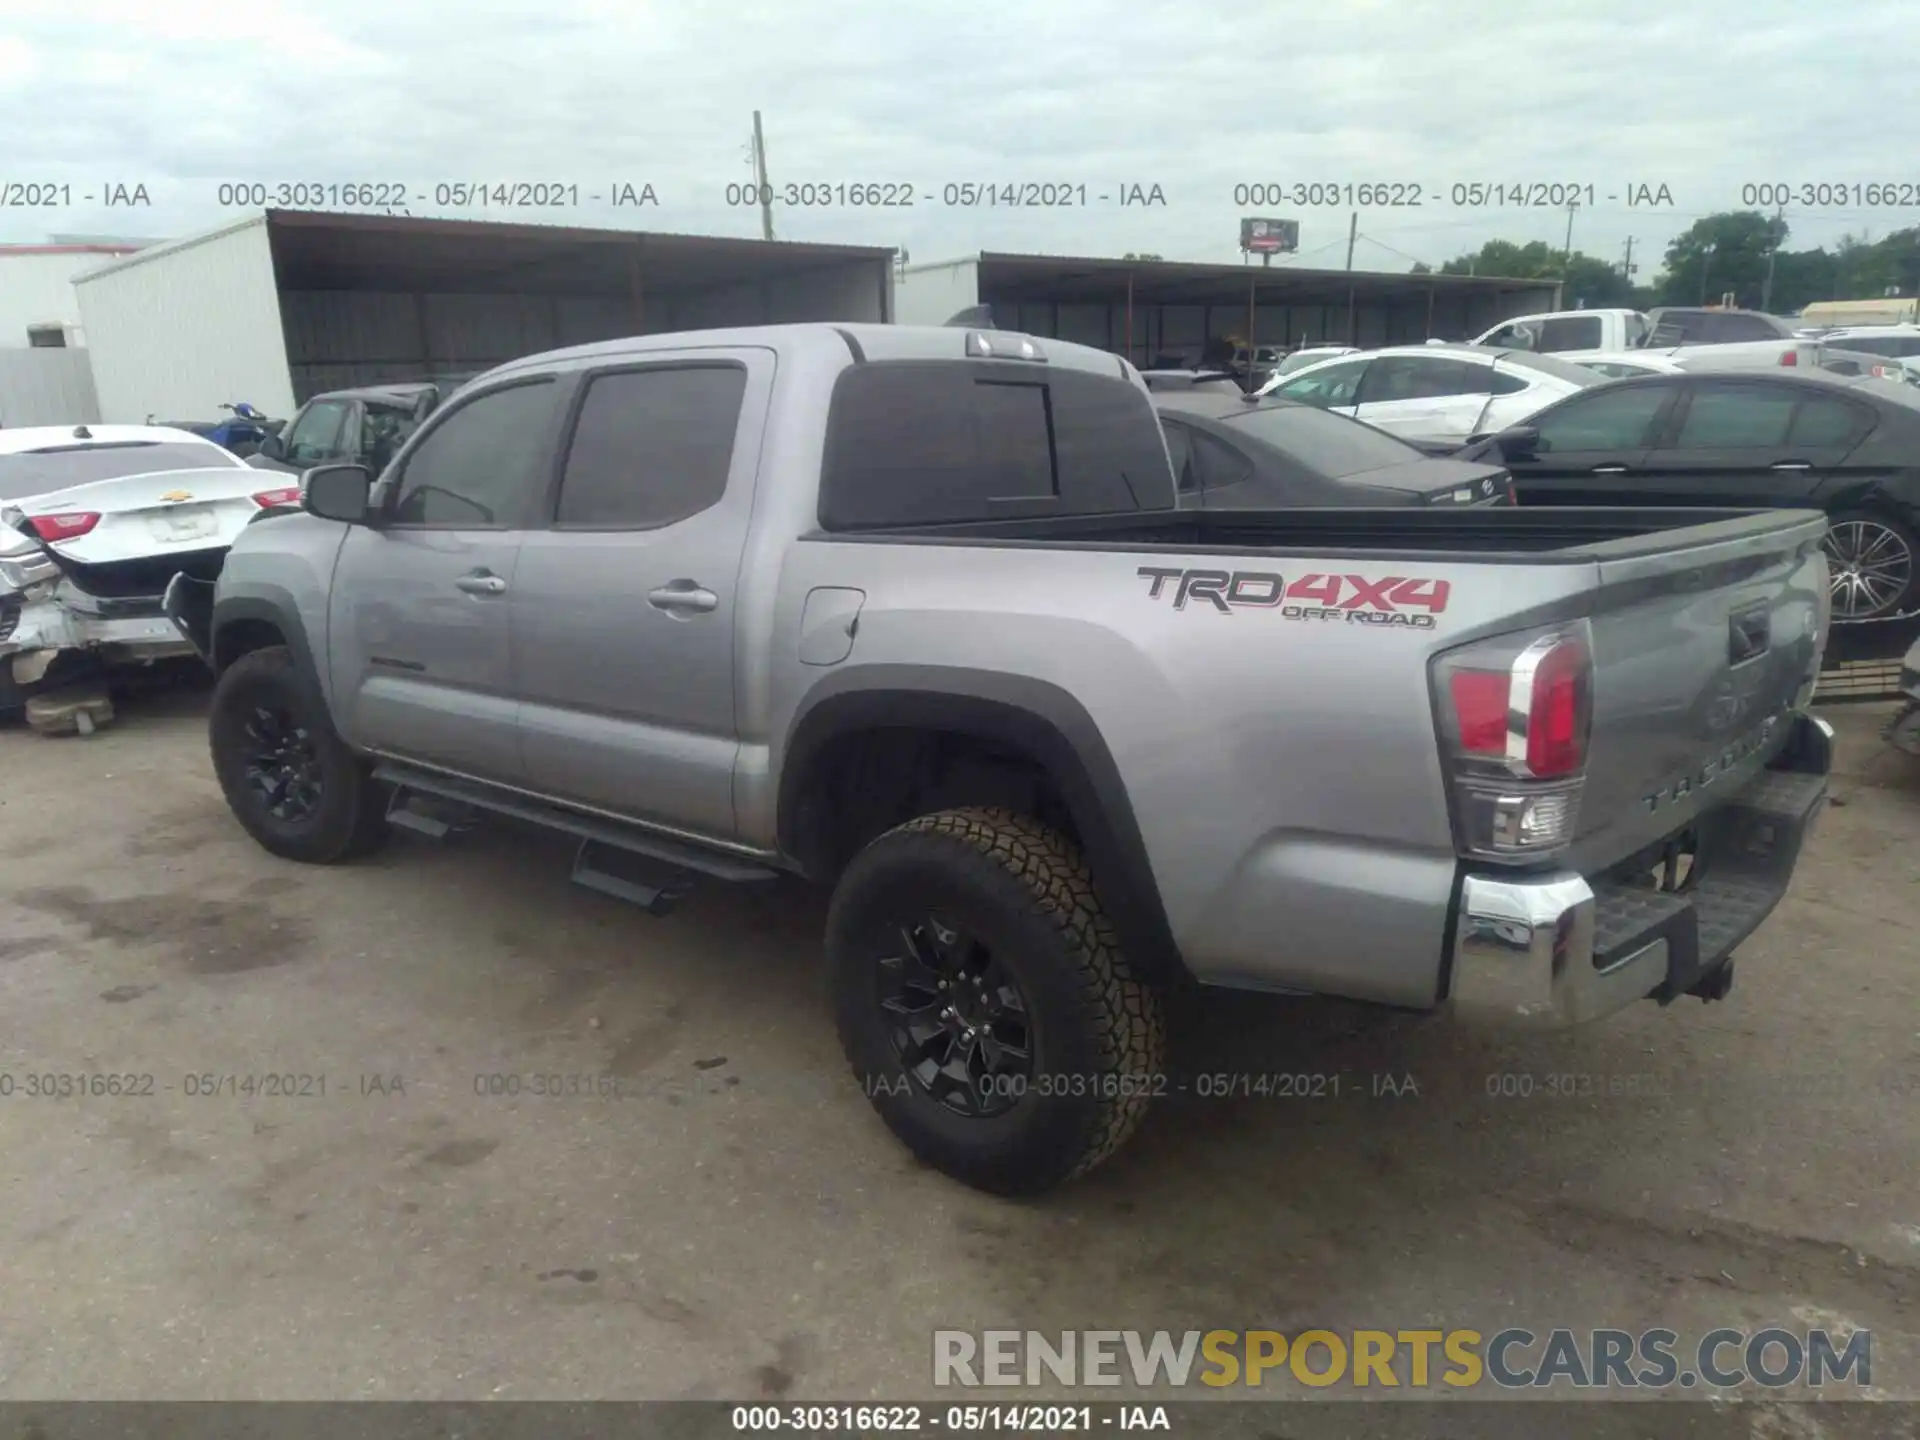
x=337, y=492
x=1522, y=442
x=274, y=447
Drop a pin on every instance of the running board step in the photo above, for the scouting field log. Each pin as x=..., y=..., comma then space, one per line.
x=427, y=815
x=654, y=888
x=412, y=783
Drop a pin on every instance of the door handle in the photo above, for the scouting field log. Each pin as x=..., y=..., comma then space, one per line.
x=482, y=583
x=684, y=595
x=1609, y=470
x=1792, y=465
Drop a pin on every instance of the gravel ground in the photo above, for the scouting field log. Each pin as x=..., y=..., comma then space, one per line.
x=738, y=1225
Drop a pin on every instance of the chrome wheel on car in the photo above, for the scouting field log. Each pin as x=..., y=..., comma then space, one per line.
x=1871, y=568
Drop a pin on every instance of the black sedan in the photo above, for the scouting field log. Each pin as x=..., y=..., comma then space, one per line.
x=1233, y=452
x=1850, y=447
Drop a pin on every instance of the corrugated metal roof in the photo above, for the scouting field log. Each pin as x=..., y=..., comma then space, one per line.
x=6, y=250
x=169, y=247
x=325, y=251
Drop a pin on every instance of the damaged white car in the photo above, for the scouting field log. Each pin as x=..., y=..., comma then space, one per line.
x=94, y=521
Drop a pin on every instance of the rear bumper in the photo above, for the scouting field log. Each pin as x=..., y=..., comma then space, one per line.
x=1552, y=951
x=132, y=631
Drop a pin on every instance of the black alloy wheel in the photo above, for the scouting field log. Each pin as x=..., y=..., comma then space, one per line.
x=287, y=775
x=955, y=1018
x=282, y=766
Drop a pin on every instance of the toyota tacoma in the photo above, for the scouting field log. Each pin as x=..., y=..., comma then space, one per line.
x=911, y=612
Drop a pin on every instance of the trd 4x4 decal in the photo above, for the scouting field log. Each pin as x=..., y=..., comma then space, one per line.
x=1359, y=599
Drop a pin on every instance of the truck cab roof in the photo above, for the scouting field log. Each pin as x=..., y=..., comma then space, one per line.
x=862, y=342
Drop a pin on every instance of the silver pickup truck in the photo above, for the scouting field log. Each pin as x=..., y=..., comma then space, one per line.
x=910, y=612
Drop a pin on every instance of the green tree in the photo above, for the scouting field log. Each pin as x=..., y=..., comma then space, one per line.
x=1587, y=281
x=1801, y=277
x=1143, y=256
x=1721, y=253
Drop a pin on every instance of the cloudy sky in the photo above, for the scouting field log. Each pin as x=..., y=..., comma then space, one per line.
x=1703, y=97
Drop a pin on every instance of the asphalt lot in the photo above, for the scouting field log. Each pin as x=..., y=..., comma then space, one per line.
x=738, y=1224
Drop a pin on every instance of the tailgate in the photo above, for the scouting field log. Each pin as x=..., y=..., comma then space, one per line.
x=1701, y=653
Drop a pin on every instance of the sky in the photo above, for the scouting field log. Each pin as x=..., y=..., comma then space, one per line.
x=1417, y=97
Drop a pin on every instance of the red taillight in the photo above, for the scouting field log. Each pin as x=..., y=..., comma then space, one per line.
x=1516, y=710
x=285, y=495
x=66, y=525
x=1540, y=699
x=1480, y=710
x=1790, y=356
x=1556, y=719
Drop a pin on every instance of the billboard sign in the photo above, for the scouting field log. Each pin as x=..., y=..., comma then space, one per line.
x=1270, y=237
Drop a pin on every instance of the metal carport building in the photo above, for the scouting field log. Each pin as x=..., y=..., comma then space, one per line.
x=1148, y=308
x=283, y=304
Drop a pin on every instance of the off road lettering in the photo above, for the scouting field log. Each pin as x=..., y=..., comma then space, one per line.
x=1385, y=600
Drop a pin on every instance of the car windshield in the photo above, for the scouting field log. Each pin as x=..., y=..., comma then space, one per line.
x=1328, y=444
x=36, y=472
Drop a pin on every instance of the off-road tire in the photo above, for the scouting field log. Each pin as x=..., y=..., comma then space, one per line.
x=1098, y=1034
x=350, y=819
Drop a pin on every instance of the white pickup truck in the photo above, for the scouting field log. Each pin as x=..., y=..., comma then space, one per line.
x=1691, y=338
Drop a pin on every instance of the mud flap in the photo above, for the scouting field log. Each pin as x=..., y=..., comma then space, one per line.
x=188, y=603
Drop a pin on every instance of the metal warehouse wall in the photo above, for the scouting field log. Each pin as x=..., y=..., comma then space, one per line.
x=38, y=290
x=46, y=387
x=339, y=338
x=178, y=330
x=860, y=290
x=1185, y=329
x=933, y=294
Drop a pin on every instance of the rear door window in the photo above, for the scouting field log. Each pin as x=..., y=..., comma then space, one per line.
x=651, y=447
x=1736, y=417
x=939, y=441
x=1609, y=419
x=1421, y=377
x=1821, y=423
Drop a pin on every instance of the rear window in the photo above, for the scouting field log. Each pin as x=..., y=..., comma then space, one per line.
x=948, y=441
x=1327, y=444
x=35, y=472
x=1571, y=332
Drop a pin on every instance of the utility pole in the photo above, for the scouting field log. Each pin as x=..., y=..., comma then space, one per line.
x=760, y=179
x=1566, y=259
x=1766, y=286
x=1353, y=234
x=1626, y=266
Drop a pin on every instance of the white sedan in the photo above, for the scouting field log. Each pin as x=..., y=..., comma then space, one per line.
x=94, y=521
x=1437, y=392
